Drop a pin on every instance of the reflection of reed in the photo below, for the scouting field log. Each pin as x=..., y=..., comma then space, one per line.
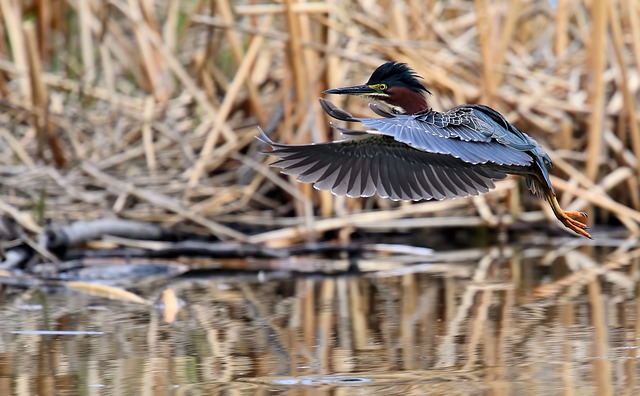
x=484, y=323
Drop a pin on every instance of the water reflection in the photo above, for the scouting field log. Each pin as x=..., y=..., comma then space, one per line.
x=530, y=321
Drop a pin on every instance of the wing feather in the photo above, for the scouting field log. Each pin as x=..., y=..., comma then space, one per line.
x=473, y=133
x=429, y=185
x=422, y=136
x=376, y=164
x=384, y=181
x=438, y=189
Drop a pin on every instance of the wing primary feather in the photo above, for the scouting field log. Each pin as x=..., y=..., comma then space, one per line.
x=450, y=189
x=398, y=170
x=314, y=173
x=428, y=167
x=422, y=184
x=451, y=180
x=384, y=180
x=345, y=167
x=380, y=111
x=464, y=182
x=466, y=185
x=336, y=112
x=341, y=185
x=467, y=177
x=411, y=178
x=356, y=173
x=434, y=182
x=328, y=173
x=371, y=176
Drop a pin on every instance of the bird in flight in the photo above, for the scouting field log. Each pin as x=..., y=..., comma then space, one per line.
x=411, y=152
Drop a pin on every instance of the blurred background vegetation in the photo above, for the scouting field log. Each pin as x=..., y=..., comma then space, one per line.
x=147, y=109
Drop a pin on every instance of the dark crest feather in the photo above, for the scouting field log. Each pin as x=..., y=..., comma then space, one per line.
x=397, y=73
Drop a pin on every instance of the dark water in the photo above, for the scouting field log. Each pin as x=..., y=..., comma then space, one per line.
x=530, y=322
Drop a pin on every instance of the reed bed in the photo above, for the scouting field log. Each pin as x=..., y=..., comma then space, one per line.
x=147, y=110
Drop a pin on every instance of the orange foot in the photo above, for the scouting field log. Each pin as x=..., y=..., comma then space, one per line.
x=569, y=221
x=572, y=220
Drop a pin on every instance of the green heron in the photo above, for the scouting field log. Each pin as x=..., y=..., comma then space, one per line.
x=412, y=152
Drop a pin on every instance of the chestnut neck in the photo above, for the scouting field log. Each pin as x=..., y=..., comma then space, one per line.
x=411, y=102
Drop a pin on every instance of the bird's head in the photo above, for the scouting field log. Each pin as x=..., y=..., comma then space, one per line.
x=394, y=84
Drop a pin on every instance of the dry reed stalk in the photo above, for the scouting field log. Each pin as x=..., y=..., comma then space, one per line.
x=295, y=57
x=485, y=38
x=25, y=219
x=155, y=70
x=359, y=219
x=129, y=105
x=398, y=20
x=225, y=108
x=561, y=27
x=40, y=101
x=298, y=105
x=535, y=88
x=422, y=11
x=485, y=211
x=147, y=135
x=11, y=16
x=106, y=291
x=506, y=36
x=634, y=190
x=313, y=65
x=445, y=221
x=262, y=169
x=170, y=27
x=619, y=148
x=132, y=154
x=86, y=43
x=571, y=171
x=565, y=140
x=109, y=73
x=629, y=97
x=597, y=63
x=119, y=187
x=181, y=74
x=17, y=148
x=224, y=8
x=630, y=9
x=320, y=7
x=44, y=20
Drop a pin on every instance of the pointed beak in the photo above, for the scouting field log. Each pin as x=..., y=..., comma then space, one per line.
x=354, y=90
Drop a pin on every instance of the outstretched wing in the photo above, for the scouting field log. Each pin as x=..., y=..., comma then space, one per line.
x=474, y=134
x=378, y=164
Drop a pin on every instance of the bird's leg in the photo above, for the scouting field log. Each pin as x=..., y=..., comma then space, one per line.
x=569, y=219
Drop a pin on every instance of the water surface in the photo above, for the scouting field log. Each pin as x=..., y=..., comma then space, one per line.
x=499, y=322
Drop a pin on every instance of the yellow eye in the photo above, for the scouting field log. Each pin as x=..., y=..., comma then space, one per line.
x=382, y=87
